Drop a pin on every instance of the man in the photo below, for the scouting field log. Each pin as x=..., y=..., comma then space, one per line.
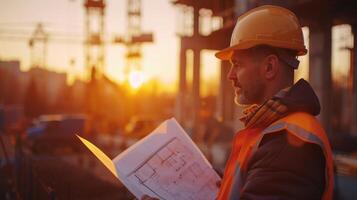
x=282, y=153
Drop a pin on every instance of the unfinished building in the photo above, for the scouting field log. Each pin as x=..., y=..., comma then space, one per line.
x=330, y=13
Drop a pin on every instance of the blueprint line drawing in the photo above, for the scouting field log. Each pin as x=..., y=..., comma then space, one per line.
x=172, y=158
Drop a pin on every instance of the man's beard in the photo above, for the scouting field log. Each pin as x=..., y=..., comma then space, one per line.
x=254, y=97
x=239, y=102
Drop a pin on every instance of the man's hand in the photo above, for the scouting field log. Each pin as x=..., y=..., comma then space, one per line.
x=146, y=197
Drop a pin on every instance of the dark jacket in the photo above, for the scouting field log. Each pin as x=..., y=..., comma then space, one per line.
x=285, y=167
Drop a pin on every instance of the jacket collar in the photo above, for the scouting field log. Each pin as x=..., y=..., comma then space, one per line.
x=299, y=97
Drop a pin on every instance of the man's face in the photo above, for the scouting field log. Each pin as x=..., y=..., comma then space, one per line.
x=247, y=80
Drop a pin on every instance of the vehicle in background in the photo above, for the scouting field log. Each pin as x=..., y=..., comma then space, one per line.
x=53, y=133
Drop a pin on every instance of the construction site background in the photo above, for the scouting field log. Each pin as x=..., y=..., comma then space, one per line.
x=41, y=111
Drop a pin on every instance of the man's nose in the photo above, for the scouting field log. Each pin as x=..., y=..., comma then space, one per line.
x=231, y=74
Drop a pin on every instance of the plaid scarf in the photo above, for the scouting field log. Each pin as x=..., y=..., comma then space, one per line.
x=262, y=116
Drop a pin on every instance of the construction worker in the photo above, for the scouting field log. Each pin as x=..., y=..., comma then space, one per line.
x=282, y=153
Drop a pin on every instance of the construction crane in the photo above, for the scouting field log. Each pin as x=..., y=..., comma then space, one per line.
x=38, y=39
x=94, y=47
x=134, y=38
x=94, y=42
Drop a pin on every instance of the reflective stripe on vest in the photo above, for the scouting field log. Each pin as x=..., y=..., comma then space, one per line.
x=302, y=125
x=296, y=130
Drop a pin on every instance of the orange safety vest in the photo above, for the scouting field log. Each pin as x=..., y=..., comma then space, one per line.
x=245, y=143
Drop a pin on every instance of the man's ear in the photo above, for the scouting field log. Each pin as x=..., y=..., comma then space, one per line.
x=271, y=66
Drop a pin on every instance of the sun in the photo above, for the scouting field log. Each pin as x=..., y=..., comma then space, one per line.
x=136, y=79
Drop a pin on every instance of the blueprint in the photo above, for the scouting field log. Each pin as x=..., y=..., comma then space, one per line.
x=166, y=164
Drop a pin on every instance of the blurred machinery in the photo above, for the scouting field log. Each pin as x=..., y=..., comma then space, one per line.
x=134, y=38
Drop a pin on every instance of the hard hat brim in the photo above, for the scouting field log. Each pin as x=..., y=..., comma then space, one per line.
x=226, y=54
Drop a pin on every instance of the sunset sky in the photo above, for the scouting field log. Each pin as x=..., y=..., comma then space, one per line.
x=160, y=61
